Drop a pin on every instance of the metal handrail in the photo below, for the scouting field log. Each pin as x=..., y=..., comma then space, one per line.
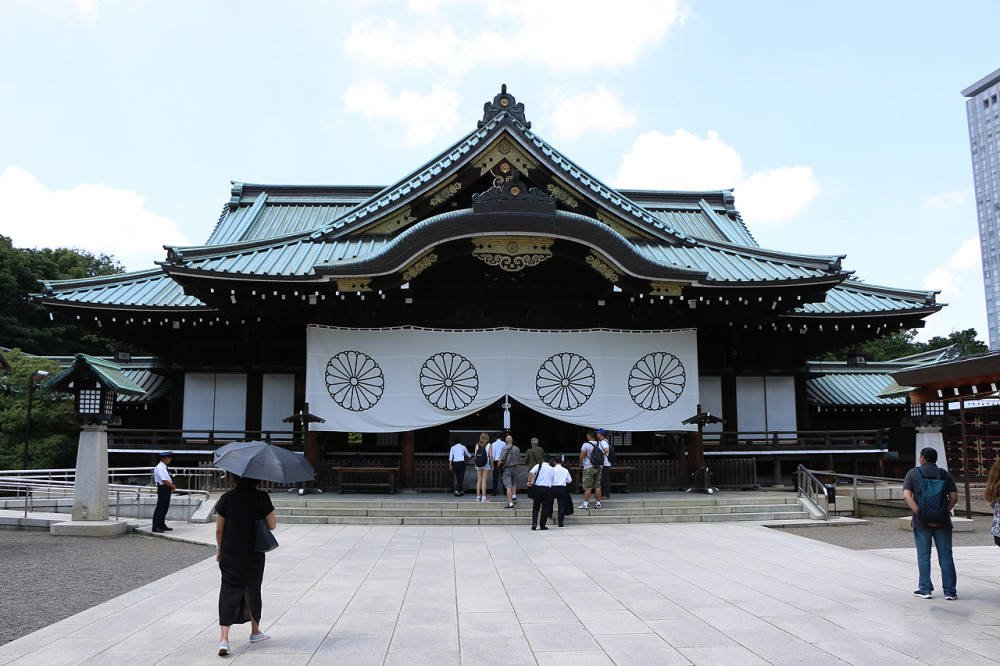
x=811, y=487
x=12, y=482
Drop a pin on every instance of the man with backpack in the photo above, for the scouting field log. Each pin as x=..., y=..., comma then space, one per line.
x=510, y=458
x=592, y=461
x=931, y=493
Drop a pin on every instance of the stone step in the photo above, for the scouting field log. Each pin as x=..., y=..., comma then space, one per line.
x=523, y=517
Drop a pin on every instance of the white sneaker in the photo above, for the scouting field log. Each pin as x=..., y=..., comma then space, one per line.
x=583, y=506
x=478, y=498
x=485, y=498
x=223, y=648
x=257, y=638
x=598, y=505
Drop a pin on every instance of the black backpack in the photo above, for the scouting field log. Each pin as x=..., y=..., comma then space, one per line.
x=933, y=500
x=596, y=455
x=482, y=458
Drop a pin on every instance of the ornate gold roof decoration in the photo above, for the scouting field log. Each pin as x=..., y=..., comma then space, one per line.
x=353, y=285
x=505, y=149
x=512, y=253
x=601, y=266
x=419, y=265
x=501, y=103
x=666, y=288
x=445, y=193
x=562, y=195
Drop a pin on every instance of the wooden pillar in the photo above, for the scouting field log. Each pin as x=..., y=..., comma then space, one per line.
x=406, y=458
x=695, y=456
x=311, y=447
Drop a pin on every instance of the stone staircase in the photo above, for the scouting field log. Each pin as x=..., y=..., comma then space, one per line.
x=653, y=508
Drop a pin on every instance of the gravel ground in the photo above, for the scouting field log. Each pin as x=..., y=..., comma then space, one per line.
x=40, y=589
x=46, y=579
x=884, y=533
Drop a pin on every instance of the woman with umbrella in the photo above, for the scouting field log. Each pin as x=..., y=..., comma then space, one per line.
x=238, y=511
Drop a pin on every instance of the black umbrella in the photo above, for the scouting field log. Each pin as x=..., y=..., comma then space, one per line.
x=259, y=460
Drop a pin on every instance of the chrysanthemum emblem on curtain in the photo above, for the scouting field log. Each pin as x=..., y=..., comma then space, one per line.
x=449, y=381
x=354, y=380
x=656, y=381
x=565, y=381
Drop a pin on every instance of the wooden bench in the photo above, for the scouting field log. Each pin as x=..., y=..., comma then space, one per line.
x=373, y=474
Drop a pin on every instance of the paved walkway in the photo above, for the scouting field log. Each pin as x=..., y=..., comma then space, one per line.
x=731, y=593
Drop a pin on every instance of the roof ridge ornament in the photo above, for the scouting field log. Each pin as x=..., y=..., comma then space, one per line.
x=503, y=102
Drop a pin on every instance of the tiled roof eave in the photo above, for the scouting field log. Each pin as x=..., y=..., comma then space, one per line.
x=895, y=312
x=118, y=307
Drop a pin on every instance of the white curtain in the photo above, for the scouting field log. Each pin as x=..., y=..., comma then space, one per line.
x=391, y=380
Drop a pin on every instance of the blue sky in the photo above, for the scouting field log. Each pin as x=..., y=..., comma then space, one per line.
x=840, y=125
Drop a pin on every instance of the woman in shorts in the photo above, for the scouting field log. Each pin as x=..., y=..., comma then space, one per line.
x=484, y=455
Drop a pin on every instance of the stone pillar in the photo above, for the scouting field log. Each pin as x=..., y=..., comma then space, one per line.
x=930, y=435
x=90, y=493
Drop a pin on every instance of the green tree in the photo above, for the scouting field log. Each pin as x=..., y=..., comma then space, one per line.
x=27, y=325
x=903, y=343
x=53, y=441
x=966, y=341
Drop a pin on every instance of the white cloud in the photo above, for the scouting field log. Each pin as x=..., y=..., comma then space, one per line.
x=598, y=111
x=578, y=35
x=959, y=279
x=87, y=10
x=424, y=117
x=769, y=197
x=946, y=200
x=96, y=218
x=685, y=161
x=679, y=162
x=969, y=255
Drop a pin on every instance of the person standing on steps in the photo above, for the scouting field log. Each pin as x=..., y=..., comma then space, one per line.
x=592, y=461
x=533, y=456
x=540, y=478
x=483, y=460
x=497, y=447
x=931, y=494
x=561, y=478
x=510, y=458
x=456, y=463
x=164, y=487
x=609, y=455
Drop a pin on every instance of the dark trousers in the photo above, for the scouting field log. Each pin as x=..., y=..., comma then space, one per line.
x=162, y=504
x=541, y=501
x=561, y=497
x=459, y=469
x=497, y=478
x=606, y=482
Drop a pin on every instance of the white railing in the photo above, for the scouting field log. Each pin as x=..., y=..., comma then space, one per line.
x=59, y=483
x=812, y=489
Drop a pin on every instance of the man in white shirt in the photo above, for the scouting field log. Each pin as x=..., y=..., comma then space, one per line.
x=540, y=478
x=606, y=472
x=591, y=474
x=456, y=463
x=497, y=472
x=164, y=486
x=561, y=478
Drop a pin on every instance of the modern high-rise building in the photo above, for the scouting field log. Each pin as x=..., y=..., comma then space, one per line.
x=983, y=114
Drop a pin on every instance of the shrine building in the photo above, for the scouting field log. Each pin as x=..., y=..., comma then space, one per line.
x=500, y=283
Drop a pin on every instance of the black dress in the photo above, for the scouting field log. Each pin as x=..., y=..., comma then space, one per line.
x=242, y=567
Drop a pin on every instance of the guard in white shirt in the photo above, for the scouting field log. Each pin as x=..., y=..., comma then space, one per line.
x=164, y=486
x=560, y=481
x=456, y=463
x=540, y=479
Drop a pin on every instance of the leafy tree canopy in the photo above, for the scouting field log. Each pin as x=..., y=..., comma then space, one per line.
x=27, y=325
x=53, y=441
x=903, y=343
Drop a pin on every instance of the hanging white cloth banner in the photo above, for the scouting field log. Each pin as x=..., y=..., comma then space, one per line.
x=393, y=380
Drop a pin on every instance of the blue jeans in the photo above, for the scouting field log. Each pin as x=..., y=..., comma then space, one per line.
x=942, y=541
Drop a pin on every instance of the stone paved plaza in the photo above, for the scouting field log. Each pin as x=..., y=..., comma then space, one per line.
x=728, y=593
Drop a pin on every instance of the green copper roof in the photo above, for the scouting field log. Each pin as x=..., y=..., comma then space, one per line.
x=871, y=384
x=107, y=372
x=151, y=289
x=852, y=298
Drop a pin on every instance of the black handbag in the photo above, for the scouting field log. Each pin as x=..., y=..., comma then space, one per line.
x=264, y=541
